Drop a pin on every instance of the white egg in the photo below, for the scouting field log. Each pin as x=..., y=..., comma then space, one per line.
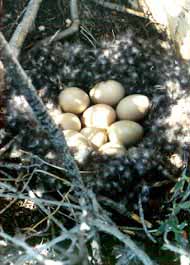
x=96, y=136
x=99, y=116
x=70, y=121
x=74, y=138
x=79, y=145
x=125, y=132
x=107, y=92
x=74, y=100
x=112, y=149
x=133, y=107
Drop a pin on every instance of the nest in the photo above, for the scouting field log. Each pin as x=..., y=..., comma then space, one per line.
x=142, y=66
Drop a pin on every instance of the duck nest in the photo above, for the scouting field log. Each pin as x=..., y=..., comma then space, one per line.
x=142, y=66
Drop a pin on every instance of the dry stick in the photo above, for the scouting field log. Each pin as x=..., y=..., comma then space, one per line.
x=24, y=27
x=141, y=213
x=177, y=249
x=67, y=32
x=75, y=25
x=106, y=225
x=2, y=99
x=19, y=196
x=120, y=8
x=18, y=242
x=114, y=231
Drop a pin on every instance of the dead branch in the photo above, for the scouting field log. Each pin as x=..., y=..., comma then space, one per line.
x=141, y=213
x=104, y=224
x=120, y=8
x=74, y=26
x=24, y=26
x=126, y=240
x=67, y=32
x=2, y=95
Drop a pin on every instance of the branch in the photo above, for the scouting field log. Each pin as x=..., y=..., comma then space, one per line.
x=67, y=32
x=103, y=223
x=126, y=240
x=120, y=8
x=22, y=244
x=74, y=27
x=2, y=96
x=24, y=26
x=141, y=213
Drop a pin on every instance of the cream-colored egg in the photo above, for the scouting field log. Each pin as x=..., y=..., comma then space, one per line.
x=125, y=132
x=99, y=116
x=78, y=144
x=112, y=149
x=74, y=100
x=74, y=138
x=96, y=136
x=107, y=92
x=70, y=121
x=133, y=107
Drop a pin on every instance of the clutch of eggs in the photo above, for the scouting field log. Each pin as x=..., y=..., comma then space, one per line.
x=109, y=124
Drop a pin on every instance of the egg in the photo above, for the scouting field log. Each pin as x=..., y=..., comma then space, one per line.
x=96, y=136
x=133, y=107
x=70, y=121
x=79, y=145
x=112, y=149
x=74, y=100
x=125, y=132
x=107, y=92
x=74, y=138
x=99, y=116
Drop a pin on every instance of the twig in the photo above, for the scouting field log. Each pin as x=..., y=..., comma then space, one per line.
x=178, y=250
x=120, y=8
x=37, y=201
x=24, y=27
x=67, y=32
x=2, y=96
x=41, y=162
x=7, y=146
x=121, y=209
x=104, y=224
x=25, y=246
x=88, y=36
x=114, y=231
x=143, y=221
x=16, y=166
